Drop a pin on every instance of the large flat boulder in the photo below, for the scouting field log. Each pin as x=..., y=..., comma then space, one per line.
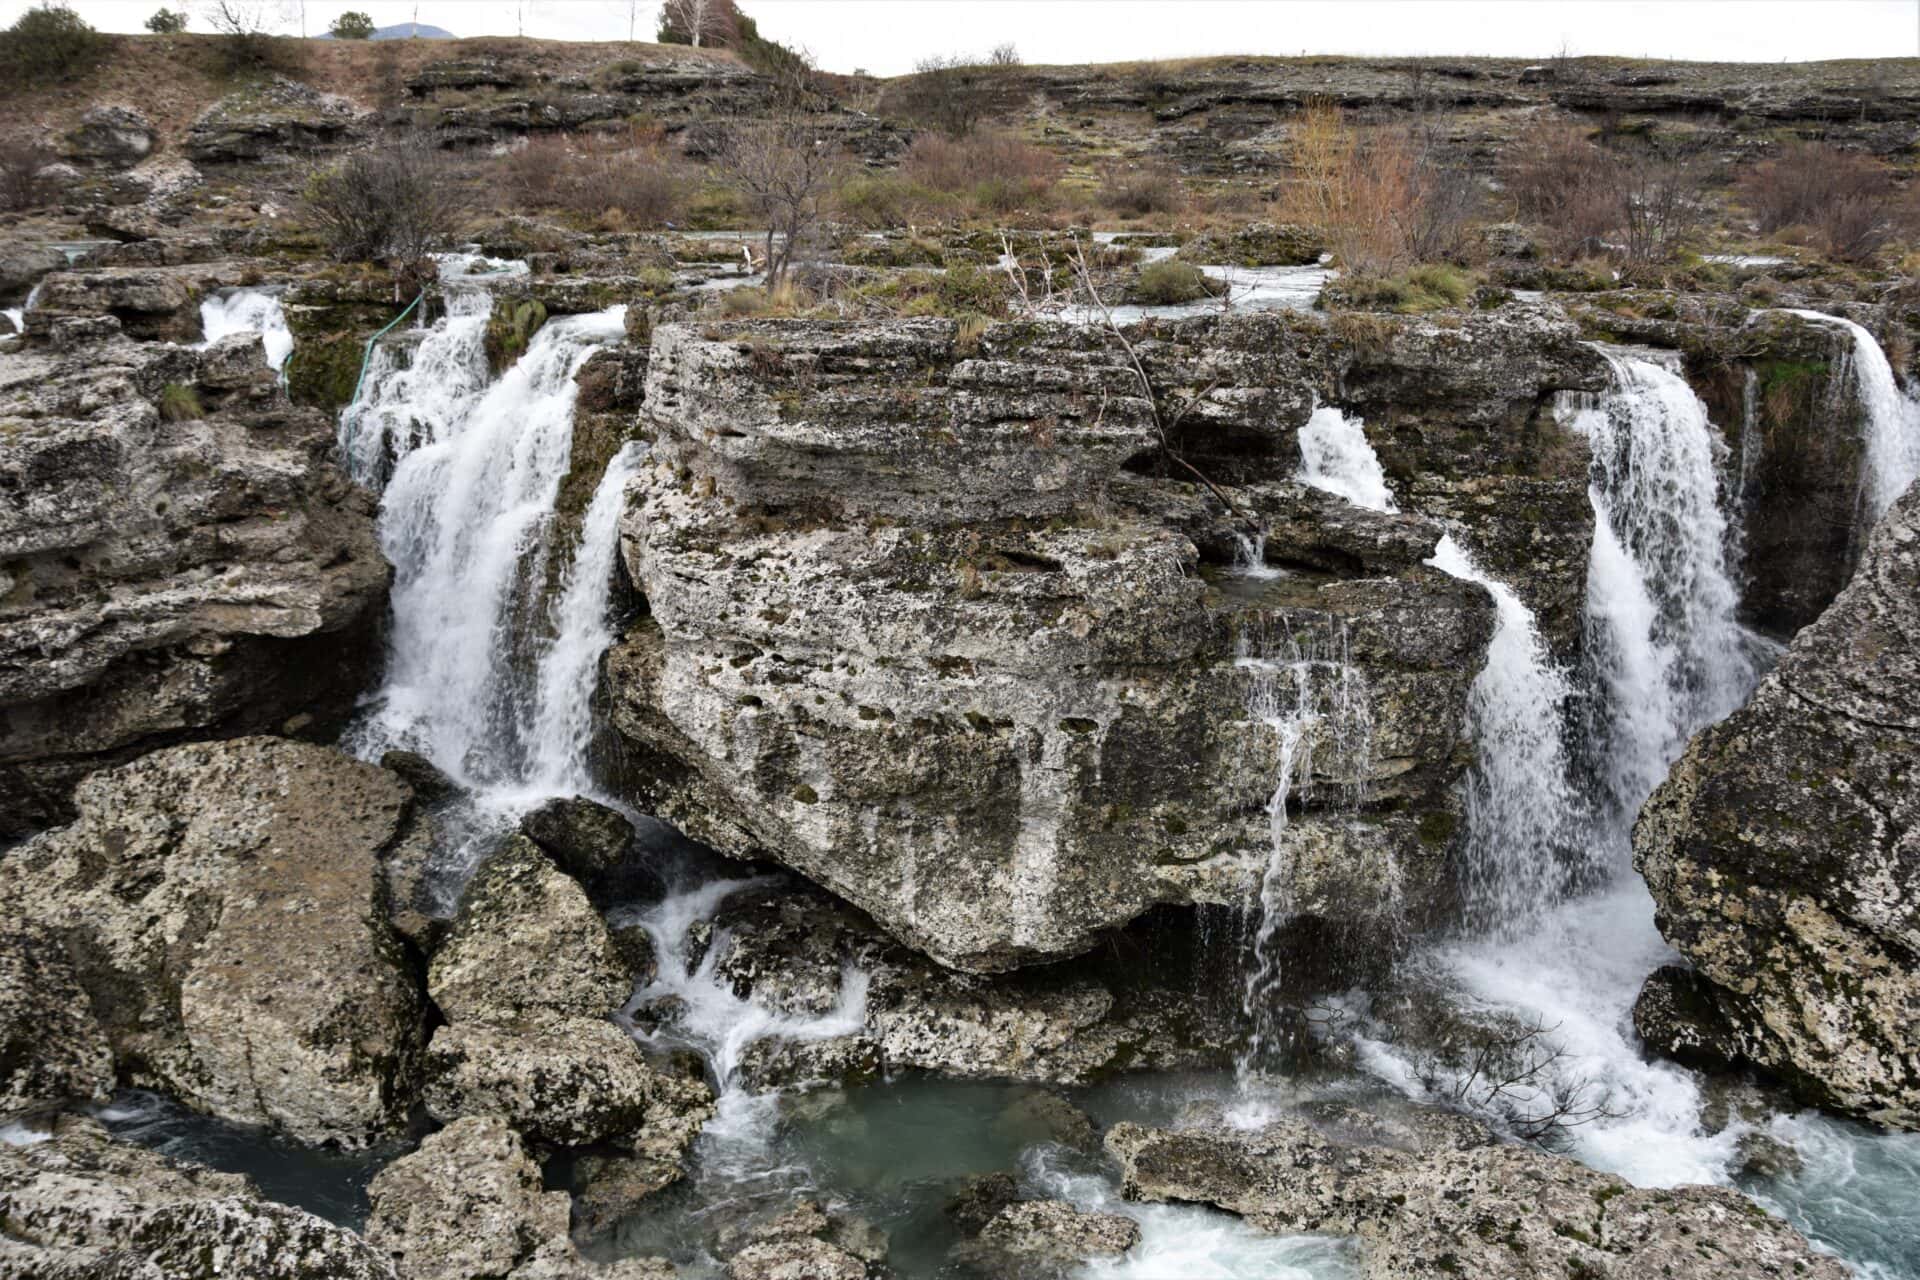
x=1783, y=852
x=225, y=908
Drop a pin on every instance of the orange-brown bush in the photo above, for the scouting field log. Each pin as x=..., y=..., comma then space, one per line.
x=628, y=175
x=1382, y=199
x=1845, y=200
x=994, y=171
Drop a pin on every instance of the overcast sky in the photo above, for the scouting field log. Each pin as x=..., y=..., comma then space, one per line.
x=886, y=36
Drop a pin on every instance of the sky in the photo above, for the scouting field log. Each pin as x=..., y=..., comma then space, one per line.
x=887, y=36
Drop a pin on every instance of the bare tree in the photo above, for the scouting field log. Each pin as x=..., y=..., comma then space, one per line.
x=397, y=204
x=700, y=22
x=785, y=170
x=247, y=27
x=1514, y=1073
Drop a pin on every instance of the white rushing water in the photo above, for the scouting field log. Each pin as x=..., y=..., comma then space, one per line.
x=1520, y=799
x=17, y=317
x=229, y=311
x=1336, y=456
x=1892, y=460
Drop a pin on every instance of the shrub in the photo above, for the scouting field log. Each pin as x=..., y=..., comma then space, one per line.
x=47, y=43
x=628, y=177
x=876, y=202
x=21, y=160
x=396, y=204
x=1432, y=287
x=1640, y=203
x=997, y=173
x=1141, y=189
x=247, y=42
x=952, y=93
x=970, y=290
x=701, y=23
x=167, y=22
x=1169, y=283
x=1845, y=201
x=351, y=25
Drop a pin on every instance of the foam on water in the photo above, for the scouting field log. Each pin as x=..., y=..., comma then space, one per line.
x=17, y=317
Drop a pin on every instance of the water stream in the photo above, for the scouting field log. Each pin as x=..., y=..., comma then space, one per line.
x=229, y=311
x=1892, y=455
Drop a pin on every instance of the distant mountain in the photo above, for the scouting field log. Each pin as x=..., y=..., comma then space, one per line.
x=406, y=31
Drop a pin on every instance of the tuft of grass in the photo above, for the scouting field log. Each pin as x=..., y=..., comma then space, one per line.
x=1433, y=287
x=180, y=403
x=1168, y=283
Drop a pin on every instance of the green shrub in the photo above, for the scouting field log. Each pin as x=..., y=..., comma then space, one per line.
x=47, y=43
x=967, y=290
x=1434, y=287
x=167, y=22
x=1169, y=283
x=179, y=403
x=351, y=25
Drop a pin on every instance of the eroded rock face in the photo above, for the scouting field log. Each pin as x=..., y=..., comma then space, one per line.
x=1048, y=1238
x=110, y=136
x=1452, y=1202
x=1783, y=851
x=79, y=1204
x=52, y=1048
x=225, y=910
x=277, y=119
x=914, y=633
x=166, y=579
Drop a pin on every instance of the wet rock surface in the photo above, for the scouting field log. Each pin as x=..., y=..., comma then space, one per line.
x=184, y=560
x=1783, y=856
x=829, y=663
x=1039, y=1238
x=52, y=1048
x=1446, y=1200
x=77, y=1204
x=224, y=910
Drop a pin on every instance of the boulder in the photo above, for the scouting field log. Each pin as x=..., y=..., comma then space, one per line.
x=52, y=1048
x=1461, y=1205
x=276, y=120
x=22, y=264
x=109, y=137
x=468, y=1205
x=79, y=1204
x=588, y=840
x=224, y=908
x=806, y=1243
x=1048, y=1238
x=1783, y=851
x=527, y=948
x=166, y=576
x=571, y=1082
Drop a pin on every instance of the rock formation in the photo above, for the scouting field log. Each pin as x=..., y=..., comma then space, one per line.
x=915, y=632
x=1435, y=1197
x=1783, y=852
x=180, y=558
x=77, y=1204
x=224, y=909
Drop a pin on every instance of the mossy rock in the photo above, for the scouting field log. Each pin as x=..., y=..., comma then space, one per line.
x=511, y=328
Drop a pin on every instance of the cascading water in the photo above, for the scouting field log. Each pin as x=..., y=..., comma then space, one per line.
x=1315, y=706
x=1335, y=456
x=231, y=311
x=466, y=521
x=1892, y=455
x=1520, y=800
x=1662, y=637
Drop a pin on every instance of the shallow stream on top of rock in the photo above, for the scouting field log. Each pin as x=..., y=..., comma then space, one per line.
x=500, y=623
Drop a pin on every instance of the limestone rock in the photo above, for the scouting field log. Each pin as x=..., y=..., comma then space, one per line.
x=21, y=264
x=588, y=840
x=277, y=120
x=167, y=579
x=52, y=1048
x=81, y=1205
x=572, y=1082
x=468, y=1205
x=1783, y=851
x=111, y=137
x=1483, y=1210
x=225, y=910
x=526, y=948
x=1049, y=1237
x=806, y=1243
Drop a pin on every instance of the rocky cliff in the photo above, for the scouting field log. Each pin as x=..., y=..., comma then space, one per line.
x=1783, y=856
x=179, y=556
x=930, y=621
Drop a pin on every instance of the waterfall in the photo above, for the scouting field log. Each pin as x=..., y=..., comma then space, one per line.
x=418, y=390
x=1250, y=557
x=1892, y=453
x=1661, y=635
x=1335, y=456
x=231, y=311
x=465, y=521
x=1315, y=707
x=570, y=668
x=17, y=317
x=1521, y=808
